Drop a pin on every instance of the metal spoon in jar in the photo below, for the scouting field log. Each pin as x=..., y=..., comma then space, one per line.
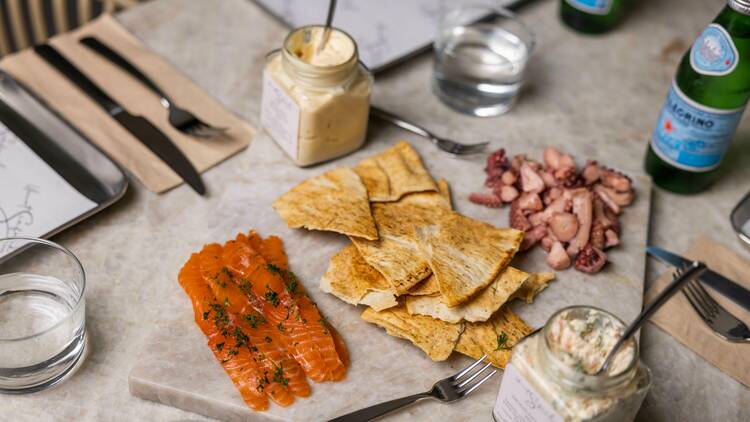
x=327, y=30
x=681, y=277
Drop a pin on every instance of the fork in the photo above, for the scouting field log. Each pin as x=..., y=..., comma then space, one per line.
x=446, y=390
x=180, y=119
x=442, y=143
x=724, y=324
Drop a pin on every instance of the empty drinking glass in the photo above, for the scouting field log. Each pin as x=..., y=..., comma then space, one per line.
x=42, y=316
x=481, y=52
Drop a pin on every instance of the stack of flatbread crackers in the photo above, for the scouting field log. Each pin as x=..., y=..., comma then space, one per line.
x=425, y=272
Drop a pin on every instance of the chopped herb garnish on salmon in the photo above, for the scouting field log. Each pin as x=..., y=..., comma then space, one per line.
x=268, y=339
x=324, y=324
x=246, y=286
x=274, y=269
x=272, y=296
x=221, y=319
x=280, y=327
x=254, y=320
x=290, y=280
x=278, y=376
x=263, y=382
x=220, y=346
x=241, y=338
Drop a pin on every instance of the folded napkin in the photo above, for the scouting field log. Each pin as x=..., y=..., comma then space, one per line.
x=65, y=98
x=678, y=318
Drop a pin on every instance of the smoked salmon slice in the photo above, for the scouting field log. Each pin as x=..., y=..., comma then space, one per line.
x=310, y=342
x=280, y=309
x=333, y=348
x=270, y=340
x=212, y=319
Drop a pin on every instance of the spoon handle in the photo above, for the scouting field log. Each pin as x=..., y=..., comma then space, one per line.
x=329, y=23
x=682, y=276
x=331, y=12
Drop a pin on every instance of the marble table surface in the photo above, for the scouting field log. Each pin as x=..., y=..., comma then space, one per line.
x=602, y=102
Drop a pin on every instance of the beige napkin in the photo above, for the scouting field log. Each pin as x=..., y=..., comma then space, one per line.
x=105, y=132
x=678, y=318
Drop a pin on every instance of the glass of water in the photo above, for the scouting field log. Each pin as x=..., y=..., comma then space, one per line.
x=481, y=52
x=42, y=316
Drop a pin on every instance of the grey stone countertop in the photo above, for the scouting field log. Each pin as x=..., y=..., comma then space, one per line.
x=591, y=96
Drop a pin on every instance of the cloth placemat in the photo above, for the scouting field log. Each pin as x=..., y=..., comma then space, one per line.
x=678, y=318
x=65, y=98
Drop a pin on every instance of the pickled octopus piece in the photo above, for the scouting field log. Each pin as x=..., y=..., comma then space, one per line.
x=487, y=199
x=590, y=260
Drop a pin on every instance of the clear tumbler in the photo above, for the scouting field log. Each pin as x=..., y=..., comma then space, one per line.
x=42, y=314
x=481, y=52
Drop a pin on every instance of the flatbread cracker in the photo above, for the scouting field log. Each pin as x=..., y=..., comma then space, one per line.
x=441, y=198
x=334, y=201
x=427, y=287
x=480, y=338
x=436, y=338
x=396, y=254
x=352, y=280
x=393, y=173
x=533, y=286
x=480, y=308
x=466, y=255
x=445, y=191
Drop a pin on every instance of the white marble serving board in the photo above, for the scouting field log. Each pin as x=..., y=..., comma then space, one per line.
x=177, y=368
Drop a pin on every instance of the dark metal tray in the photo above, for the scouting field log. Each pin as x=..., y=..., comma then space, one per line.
x=62, y=147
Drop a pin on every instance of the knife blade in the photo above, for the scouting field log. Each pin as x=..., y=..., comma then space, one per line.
x=723, y=285
x=143, y=130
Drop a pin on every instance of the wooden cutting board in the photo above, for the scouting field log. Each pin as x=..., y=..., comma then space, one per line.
x=178, y=369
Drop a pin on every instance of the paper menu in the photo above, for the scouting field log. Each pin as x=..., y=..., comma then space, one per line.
x=379, y=27
x=34, y=199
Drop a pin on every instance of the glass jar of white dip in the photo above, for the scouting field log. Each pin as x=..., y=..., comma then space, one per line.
x=552, y=373
x=316, y=101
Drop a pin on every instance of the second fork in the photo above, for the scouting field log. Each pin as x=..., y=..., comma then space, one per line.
x=446, y=390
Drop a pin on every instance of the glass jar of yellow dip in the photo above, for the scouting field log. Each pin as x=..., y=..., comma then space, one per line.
x=552, y=375
x=316, y=101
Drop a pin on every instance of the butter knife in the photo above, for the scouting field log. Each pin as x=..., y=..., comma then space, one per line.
x=139, y=127
x=721, y=284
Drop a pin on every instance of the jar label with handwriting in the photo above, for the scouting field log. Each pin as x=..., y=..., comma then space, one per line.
x=596, y=7
x=279, y=115
x=518, y=401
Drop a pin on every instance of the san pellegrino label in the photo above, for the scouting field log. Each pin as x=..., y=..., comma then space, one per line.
x=691, y=136
x=596, y=7
x=714, y=52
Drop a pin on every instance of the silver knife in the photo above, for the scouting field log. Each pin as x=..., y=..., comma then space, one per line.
x=723, y=285
x=142, y=129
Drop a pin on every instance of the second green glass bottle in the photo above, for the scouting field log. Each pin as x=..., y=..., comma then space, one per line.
x=591, y=16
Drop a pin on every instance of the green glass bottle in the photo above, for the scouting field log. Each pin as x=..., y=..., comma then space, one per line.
x=704, y=105
x=591, y=16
